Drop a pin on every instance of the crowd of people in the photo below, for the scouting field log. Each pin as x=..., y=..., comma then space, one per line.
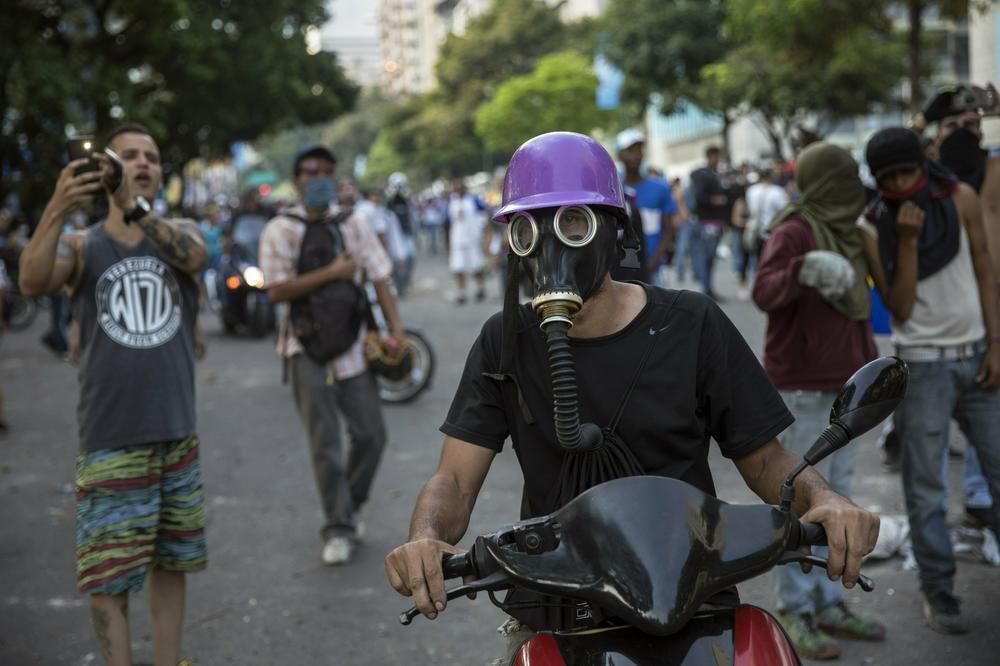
x=811, y=244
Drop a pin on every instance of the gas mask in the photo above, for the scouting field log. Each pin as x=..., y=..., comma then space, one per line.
x=567, y=251
x=563, y=204
x=961, y=153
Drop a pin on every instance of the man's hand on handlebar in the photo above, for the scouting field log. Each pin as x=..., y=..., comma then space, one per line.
x=851, y=533
x=414, y=570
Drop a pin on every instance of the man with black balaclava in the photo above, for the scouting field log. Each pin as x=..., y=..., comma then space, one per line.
x=597, y=375
x=958, y=145
x=931, y=266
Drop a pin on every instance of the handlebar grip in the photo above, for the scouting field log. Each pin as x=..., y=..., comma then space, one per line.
x=811, y=534
x=457, y=566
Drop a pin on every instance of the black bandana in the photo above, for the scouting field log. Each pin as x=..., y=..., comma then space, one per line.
x=961, y=153
x=939, y=239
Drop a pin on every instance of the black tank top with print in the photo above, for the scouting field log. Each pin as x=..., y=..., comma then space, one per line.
x=136, y=315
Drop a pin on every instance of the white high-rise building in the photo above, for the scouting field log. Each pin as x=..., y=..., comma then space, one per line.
x=352, y=34
x=411, y=31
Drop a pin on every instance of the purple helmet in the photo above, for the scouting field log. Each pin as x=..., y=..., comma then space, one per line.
x=559, y=169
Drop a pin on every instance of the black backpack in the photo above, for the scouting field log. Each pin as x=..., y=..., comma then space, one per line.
x=327, y=320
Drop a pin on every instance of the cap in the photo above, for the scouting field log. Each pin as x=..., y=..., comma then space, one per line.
x=893, y=149
x=628, y=138
x=312, y=151
x=943, y=104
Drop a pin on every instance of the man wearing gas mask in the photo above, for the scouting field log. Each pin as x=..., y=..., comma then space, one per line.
x=598, y=379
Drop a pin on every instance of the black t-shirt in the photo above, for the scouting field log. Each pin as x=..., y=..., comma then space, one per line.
x=700, y=381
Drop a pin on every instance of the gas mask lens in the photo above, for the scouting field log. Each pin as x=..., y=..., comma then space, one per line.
x=575, y=226
x=522, y=233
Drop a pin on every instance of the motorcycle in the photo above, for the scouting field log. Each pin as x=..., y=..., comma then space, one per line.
x=238, y=282
x=647, y=552
x=403, y=373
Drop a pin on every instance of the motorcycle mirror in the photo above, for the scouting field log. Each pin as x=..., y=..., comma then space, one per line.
x=868, y=398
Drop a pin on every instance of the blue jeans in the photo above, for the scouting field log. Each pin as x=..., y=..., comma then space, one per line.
x=682, y=247
x=939, y=391
x=795, y=591
x=705, y=242
x=977, y=491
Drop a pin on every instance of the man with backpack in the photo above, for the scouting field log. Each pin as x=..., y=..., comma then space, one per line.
x=315, y=257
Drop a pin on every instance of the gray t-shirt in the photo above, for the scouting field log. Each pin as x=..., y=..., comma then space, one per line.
x=136, y=315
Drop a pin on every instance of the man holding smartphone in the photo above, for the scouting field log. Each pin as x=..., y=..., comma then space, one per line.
x=132, y=280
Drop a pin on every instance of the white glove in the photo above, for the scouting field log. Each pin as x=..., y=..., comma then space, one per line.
x=828, y=272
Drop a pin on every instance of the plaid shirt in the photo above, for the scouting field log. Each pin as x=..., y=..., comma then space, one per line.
x=280, y=246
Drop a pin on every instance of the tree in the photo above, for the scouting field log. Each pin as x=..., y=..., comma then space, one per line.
x=916, y=44
x=348, y=136
x=662, y=46
x=434, y=134
x=558, y=95
x=200, y=74
x=804, y=66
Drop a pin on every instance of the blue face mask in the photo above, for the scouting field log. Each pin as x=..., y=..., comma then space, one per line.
x=319, y=193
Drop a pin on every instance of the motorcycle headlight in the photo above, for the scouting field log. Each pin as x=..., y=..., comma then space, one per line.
x=253, y=276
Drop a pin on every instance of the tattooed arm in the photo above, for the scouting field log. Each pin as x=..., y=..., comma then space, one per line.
x=180, y=242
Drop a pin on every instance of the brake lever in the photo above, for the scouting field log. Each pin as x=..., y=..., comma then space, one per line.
x=867, y=584
x=492, y=583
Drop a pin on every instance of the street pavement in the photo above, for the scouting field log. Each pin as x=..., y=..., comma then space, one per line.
x=266, y=599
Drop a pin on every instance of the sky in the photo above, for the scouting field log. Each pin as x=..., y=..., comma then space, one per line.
x=351, y=18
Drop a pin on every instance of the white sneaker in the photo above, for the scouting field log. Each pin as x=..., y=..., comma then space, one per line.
x=337, y=551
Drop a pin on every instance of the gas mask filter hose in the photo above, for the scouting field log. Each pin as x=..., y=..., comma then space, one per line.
x=556, y=311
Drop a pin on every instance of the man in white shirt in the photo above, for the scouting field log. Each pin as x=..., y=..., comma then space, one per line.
x=467, y=217
x=764, y=200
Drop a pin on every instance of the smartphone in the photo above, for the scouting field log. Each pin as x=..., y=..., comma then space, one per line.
x=118, y=168
x=80, y=148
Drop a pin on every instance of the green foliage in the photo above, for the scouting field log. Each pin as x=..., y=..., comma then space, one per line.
x=662, y=46
x=348, y=136
x=434, y=134
x=199, y=74
x=803, y=65
x=558, y=95
x=504, y=41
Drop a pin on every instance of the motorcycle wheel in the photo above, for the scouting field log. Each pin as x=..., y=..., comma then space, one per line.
x=21, y=312
x=408, y=388
x=261, y=315
x=229, y=324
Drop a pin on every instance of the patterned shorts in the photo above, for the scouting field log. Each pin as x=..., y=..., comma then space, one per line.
x=138, y=507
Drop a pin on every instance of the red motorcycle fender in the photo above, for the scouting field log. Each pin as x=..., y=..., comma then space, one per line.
x=760, y=639
x=541, y=650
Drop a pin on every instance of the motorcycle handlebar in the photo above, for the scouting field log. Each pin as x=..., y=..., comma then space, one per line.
x=808, y=534
x=457, y=566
